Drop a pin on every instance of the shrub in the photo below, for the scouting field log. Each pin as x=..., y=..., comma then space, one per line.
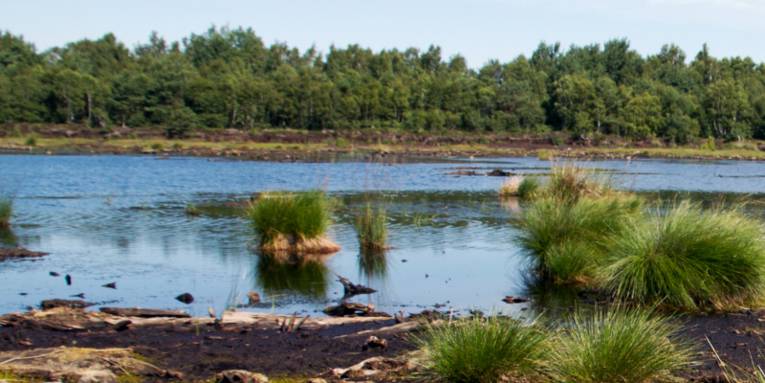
x=620, y=345
x=6, y=209
x=31, y=141
x=689, y=258
x=482, y=350
x=370, y=228
x=567, y=241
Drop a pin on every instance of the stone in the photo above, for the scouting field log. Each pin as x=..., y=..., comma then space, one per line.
x=185, y=298
x=240, y=376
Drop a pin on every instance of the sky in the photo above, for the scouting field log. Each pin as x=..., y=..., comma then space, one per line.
x=479, y=30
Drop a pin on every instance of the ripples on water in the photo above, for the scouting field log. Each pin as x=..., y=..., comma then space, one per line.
x=123, y=219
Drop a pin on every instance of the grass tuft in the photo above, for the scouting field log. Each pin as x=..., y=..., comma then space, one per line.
x=569, y=183
x=371, y=230
x=566, y=242
x=303, y=215
x=482, y=350
x=6, y=210
x=619, y=345
x=528, y=188
x=689, y=258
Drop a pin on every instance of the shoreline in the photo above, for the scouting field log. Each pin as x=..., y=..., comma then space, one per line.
x=320, y=146
x=276, y=345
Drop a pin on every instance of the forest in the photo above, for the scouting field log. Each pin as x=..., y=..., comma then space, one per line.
x=229, y=78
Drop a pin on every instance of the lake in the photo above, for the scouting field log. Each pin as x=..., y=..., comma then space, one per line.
x=123, y=219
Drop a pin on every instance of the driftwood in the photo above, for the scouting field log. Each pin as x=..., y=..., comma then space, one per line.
x=144, y=313
x=291, y=324
x=351, y=289
x=511, y=299
x=185, y=298
x=19, y=252
x=55, y=319
x=82, y=365
x=70, y=303
x=353, y=309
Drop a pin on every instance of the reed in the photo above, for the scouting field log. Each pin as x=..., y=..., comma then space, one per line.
x=371, y=230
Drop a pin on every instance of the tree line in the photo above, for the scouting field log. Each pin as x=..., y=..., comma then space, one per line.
x=228, y=78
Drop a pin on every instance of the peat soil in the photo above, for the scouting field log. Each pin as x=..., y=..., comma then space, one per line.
x=737, y=337
x=199, y=351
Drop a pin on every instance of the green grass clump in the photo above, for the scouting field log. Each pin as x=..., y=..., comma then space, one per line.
x=569, y=183
x=6, y=209
x=482, y=350
x=371, y=230
x=620, y=345
x=528, y=188
x=30, y=141
x=304, y=215
x=689, y=258
x=566, y=242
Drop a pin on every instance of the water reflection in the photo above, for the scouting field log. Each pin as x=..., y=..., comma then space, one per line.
x=7, y=237
x=511, y=204
x=373, y=264
x=106, y=218
x=308, y=278
x=556, y=300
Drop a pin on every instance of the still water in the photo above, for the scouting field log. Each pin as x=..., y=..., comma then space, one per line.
x=123, y=219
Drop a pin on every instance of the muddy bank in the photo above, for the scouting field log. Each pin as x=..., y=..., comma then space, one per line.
x=198, y=348
x=194, y=349
x=19, y=253
x=297, y=145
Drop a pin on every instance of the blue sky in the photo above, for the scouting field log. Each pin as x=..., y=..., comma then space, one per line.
x=479, y=30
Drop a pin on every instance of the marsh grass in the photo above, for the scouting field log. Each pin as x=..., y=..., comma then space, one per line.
x=567, y=242
x=299, y=215
x=569, y=183
x=528, y=187
x=618, y=345
x=371, y=228
x=482, y=350
x=510, y=186
x=215, y=209
x=6, y=210
x=689, y=258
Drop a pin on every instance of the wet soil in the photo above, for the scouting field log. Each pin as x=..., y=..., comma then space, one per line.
x=738, y=338
x=199, y=350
